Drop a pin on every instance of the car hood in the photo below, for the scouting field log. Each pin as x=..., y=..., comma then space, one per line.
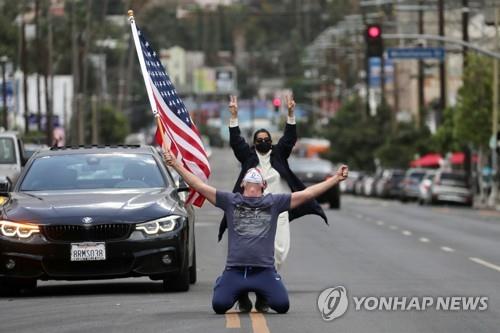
x=103, y=206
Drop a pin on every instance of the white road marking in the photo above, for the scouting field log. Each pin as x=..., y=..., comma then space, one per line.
x=424, y=240
x=393, y=227
x=406, y=232
x=359, y=216
x=485, y=263
x=447, y=249
x=380, y=222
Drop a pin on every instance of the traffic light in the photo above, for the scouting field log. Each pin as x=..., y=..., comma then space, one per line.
x=374, y=43
x=276, y=104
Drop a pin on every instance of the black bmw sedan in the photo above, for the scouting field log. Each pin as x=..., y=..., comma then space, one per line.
x=96, y=213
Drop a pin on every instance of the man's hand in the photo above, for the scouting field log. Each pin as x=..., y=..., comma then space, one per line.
x=342, y=173
x=168, y=157
x=233, y=106
x=290, y=103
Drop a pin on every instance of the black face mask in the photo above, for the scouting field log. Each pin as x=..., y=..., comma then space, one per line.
x=263, y=147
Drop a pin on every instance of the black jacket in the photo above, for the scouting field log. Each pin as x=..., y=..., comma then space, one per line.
x=280, y=152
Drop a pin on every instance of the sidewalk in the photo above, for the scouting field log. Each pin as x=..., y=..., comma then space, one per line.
x=482, y=205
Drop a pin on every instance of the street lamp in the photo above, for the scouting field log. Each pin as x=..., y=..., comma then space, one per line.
x=3, y=61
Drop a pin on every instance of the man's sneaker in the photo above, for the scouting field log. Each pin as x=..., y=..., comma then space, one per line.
x=261, y=304
x=244, y=303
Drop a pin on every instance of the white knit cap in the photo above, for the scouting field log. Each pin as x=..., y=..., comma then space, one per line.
x=253, y=175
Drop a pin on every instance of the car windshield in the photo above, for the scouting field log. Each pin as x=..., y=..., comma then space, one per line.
x=453, y=179
x=93, y=171
x=310, y=165
x=417, y=175
x=7, y=152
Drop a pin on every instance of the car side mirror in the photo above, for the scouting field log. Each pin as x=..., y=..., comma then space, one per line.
x=5, y=186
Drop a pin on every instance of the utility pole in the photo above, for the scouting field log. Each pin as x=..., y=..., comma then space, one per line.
x=4, y=93
x=37, y=52
x=95, y=121
x=367, y=71
x=465, y=30
x=85, y=75
x=421, y=71
x=75, y=68
x=24, y=60
x=494, y=125
x=442, y=65
x=48, y=81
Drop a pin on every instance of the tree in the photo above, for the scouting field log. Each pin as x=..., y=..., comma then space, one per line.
x=400, y=147
x=472, y=118
x=114, y=126
x=443, y=140
x=354, y=137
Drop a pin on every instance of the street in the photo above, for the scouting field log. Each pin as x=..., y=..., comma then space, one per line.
x=372, y=247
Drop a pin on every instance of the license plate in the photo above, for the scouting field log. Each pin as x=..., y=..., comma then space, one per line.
x=88, y=251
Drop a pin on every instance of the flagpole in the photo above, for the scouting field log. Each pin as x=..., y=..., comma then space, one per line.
x=142, y=64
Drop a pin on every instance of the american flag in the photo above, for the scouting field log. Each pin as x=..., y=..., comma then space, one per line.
x=178, y=127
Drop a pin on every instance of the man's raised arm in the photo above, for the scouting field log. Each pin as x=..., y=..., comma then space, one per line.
x=192, y=180
x=314, y=191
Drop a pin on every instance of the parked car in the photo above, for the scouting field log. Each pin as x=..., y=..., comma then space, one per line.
x=368, y=185
x=93, y=213
x=425, y=188
x=410, y=184
x=388, y=184
x=12, y=157
x=358, y=185
x=451, y=187
x=314, y=170
x=347, y=185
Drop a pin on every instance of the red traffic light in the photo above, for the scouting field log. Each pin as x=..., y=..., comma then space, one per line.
x=374, y=31
x=277, y=102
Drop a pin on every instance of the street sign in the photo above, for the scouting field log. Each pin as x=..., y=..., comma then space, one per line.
x=416, y=53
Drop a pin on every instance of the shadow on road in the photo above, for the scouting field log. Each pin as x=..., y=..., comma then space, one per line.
x=108, y=288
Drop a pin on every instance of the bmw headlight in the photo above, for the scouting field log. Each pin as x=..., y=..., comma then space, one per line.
x=14, y=229
x=165, y=224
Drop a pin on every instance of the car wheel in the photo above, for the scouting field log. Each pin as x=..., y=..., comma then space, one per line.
x=13, y=287
x=192, y=269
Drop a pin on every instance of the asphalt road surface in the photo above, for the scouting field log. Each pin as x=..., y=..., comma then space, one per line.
x=373, y=248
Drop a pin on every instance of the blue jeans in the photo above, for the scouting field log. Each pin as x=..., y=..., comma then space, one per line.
x=264, y=281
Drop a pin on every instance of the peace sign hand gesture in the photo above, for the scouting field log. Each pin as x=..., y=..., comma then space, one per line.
x=233, y=106
x=290, y=103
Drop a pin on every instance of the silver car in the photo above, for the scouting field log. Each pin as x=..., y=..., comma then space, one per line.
x=451, y=187
x=410, y=184
x=11, y=156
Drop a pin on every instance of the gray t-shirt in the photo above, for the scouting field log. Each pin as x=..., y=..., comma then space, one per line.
x=251, y=225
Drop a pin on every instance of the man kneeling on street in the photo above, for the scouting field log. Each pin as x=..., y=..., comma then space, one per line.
x=251, y=220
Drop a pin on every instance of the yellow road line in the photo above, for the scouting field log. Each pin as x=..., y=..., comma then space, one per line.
x=259, y=323
x=233, y=320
